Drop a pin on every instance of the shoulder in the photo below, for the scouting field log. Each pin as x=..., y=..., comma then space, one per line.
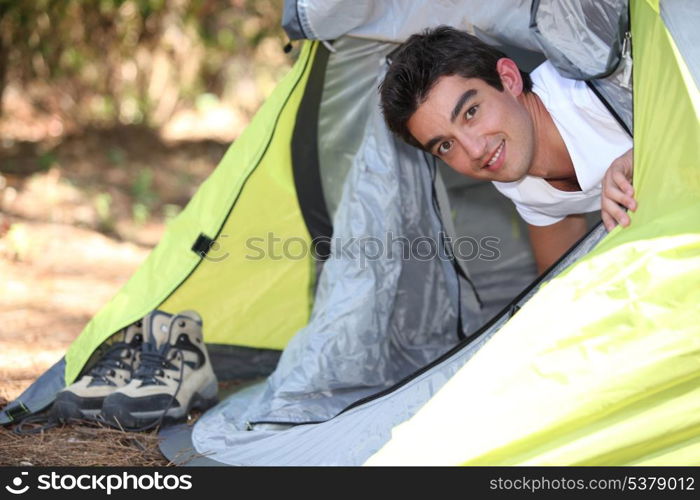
x=545, y=72
x=555, y=89
x=578, y=113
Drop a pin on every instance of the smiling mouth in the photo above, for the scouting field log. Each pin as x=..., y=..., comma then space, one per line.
x=496, y=156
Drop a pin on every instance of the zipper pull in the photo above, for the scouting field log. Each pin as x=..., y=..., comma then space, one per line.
x=626, y=78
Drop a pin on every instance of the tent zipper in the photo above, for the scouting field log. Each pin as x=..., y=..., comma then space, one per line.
x=626, y=60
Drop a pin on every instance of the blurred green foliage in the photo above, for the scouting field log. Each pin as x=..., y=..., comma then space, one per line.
x=140, y=213
x=136, y=61
x=46, y=160
x=105, y=217
x=170, y=211
x=142, y=188
x=116, y=156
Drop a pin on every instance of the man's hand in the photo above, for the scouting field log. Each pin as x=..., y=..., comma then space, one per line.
x=618, y=193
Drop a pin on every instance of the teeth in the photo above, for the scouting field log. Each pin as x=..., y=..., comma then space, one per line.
x=495, y=156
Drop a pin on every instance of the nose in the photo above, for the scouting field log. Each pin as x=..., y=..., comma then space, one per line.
x=474, y=145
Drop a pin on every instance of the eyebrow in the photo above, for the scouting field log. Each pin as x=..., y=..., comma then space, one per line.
x=461, y=102
x=432, y=142
x=463, y=99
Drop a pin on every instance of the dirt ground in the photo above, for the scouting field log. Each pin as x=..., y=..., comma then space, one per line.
x=77, y=217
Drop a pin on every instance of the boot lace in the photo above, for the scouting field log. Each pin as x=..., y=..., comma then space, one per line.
x=112, y=360
x=154, y=362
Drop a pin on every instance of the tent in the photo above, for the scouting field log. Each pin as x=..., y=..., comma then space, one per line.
x=371, y=339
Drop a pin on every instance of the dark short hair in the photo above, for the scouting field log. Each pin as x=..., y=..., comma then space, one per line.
x=422, y=60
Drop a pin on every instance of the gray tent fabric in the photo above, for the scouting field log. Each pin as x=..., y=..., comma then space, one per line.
x=291, y=21
x=442, y=202
x=682, y=18
x=582, y=39
x=493, y=241
x=37, y=396
x=346, y=105
x=585, y=40
x=394, y=21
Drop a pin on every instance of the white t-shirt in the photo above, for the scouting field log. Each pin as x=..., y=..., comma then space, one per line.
x=593, y=138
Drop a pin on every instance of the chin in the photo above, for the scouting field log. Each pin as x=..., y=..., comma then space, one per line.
x=511, y=175
x=511, y=178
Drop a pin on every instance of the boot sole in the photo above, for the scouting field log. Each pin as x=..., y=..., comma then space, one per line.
x=117, y=415
x=65, y=410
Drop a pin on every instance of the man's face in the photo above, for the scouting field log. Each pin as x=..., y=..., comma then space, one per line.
x=477, y=130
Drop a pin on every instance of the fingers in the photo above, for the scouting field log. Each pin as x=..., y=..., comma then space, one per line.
x=608, y=221
x=622, y=185
x=613, y=214
x=621, y=196
x=616, y=197
x=618, y=193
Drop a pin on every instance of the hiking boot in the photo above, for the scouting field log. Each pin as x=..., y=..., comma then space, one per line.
x=175, y=376
x=84, y=398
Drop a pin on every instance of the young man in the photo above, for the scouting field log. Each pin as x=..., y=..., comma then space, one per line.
x=546, y=142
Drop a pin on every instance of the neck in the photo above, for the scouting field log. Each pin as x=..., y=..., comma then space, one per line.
x=551, y=159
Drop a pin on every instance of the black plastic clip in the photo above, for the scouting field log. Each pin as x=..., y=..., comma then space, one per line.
x=202, y=245
x=17, y=411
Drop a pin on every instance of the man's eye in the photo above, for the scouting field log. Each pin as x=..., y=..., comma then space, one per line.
x=471, y=112
x=444, y=147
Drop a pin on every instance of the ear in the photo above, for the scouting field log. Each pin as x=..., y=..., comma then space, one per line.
x=510, y=76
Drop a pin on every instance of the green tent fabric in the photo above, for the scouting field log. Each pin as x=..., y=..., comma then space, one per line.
x=175, y=277
x=602, y=366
